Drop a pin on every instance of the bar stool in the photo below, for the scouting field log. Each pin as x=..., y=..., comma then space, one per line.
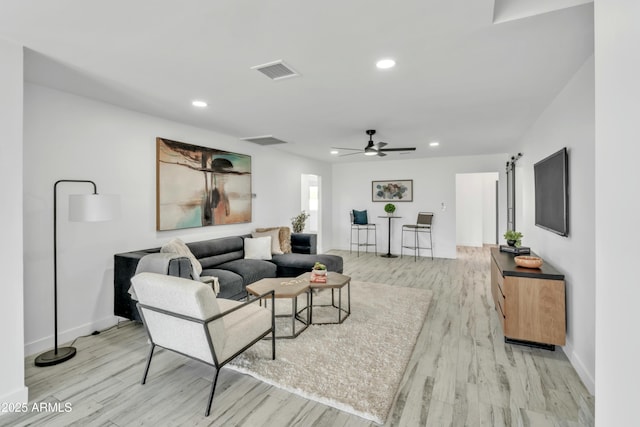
x=360, y=222
x=422, y=225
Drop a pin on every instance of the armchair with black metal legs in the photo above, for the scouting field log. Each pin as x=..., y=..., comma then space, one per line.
x=359, y=223
x=424, y=225
x=185, y=316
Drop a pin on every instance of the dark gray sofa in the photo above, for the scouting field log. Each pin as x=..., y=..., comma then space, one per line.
x=224, y=259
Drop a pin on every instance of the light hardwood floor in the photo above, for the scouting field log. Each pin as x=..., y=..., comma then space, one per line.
x=461, y=371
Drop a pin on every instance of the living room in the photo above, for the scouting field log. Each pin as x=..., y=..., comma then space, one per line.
x=114, y=146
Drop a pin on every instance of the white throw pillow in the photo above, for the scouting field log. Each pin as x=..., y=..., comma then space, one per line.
x=275, y=239
x=177, y=246
x=258, y=248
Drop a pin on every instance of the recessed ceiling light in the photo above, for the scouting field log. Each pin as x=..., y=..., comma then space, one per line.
x=334, y=151
x=434, y=144
x=386, y=63
x=200, y=104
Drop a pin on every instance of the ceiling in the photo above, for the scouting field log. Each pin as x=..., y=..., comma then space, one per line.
x=473, y=85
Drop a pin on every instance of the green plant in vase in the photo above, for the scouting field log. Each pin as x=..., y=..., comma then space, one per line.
x=514, y=238
x=298, y=221
x=389, y=208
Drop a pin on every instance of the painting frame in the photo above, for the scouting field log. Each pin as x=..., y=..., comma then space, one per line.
x=200, y=186
x=392, y=190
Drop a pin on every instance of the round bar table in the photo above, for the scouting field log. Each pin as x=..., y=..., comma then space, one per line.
x=388, y=254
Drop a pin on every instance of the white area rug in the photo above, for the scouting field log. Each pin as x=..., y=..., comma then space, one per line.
x=356, y=366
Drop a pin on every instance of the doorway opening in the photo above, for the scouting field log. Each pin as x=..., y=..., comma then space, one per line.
x=310, y=202
x=476, y=209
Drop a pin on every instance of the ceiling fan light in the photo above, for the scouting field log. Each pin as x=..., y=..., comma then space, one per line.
x=370, y=152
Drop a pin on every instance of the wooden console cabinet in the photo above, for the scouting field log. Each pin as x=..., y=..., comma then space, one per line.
x=530, y=302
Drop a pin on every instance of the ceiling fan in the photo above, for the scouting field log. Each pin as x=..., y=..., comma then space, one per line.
x=372, y=149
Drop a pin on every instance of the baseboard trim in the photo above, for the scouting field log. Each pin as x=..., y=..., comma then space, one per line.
x=65, y=337
x=583, y=373
x=18, y=396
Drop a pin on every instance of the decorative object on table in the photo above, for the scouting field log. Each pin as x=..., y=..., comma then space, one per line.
x=389, y=208
x=298, y=221
x=515, y=250
x=319, y=273
x=320, y=269
x=528, y=261
x=200, y=186
x=514, y=238
x=82, y=208
x=392, y=191
x=326, y=362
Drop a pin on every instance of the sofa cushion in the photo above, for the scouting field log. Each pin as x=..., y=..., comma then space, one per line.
x=251, y=270
x=258, y=248
x=284, y=235
x=293, y=265
x=275, y=240
x=231, y=284
x=214, y=252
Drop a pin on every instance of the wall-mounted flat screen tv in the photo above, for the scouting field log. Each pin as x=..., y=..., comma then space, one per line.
x=551, y=192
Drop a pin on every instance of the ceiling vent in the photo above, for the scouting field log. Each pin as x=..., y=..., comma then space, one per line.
x=264, y=140
x=276, y=70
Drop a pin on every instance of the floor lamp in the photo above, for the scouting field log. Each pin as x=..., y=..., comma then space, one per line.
x=82, y=208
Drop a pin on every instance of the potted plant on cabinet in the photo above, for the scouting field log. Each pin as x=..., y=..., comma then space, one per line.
x=298, y=221
x=514, y=238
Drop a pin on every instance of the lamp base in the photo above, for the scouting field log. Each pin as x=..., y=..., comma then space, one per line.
x=51, y=358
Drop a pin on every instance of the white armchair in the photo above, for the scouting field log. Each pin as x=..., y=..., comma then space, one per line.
x=185, y=316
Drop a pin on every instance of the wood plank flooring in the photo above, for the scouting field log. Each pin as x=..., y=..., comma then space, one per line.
x=461, y=372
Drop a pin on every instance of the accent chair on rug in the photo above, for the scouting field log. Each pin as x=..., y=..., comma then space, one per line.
x=184, y=316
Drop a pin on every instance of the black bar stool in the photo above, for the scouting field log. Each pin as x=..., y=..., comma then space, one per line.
x=423, y=225
x=360, y=222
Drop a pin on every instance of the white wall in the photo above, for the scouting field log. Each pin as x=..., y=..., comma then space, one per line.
x=70, y=137
x=476, y=208
x=617, y=150
x=12, y=388
x=434, y=183
x=567, y=122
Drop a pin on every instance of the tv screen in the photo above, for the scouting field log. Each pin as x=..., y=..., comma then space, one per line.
x=551, y=175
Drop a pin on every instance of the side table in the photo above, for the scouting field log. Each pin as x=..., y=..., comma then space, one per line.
x=335, y=281
x=388, y=254
x=290, y=288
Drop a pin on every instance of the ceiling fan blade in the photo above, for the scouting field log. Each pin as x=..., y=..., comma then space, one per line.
x=344, y=148
x=350, y=154
x=399, y=149
x=381, y=144
x=381, y=154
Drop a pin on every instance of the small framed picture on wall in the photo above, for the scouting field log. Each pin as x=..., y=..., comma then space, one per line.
x=398, y=190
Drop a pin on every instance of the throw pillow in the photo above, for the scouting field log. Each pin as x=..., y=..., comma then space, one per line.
x=285, y=240
x=257, y=248
x=284, y=237
x=177, y=246
x=275, y=239
x=360, y=217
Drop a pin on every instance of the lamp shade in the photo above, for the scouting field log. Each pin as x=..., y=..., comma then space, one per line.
x=93, y=207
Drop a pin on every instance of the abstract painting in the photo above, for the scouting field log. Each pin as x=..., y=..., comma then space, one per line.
x=392, y=191
x=200, y=186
